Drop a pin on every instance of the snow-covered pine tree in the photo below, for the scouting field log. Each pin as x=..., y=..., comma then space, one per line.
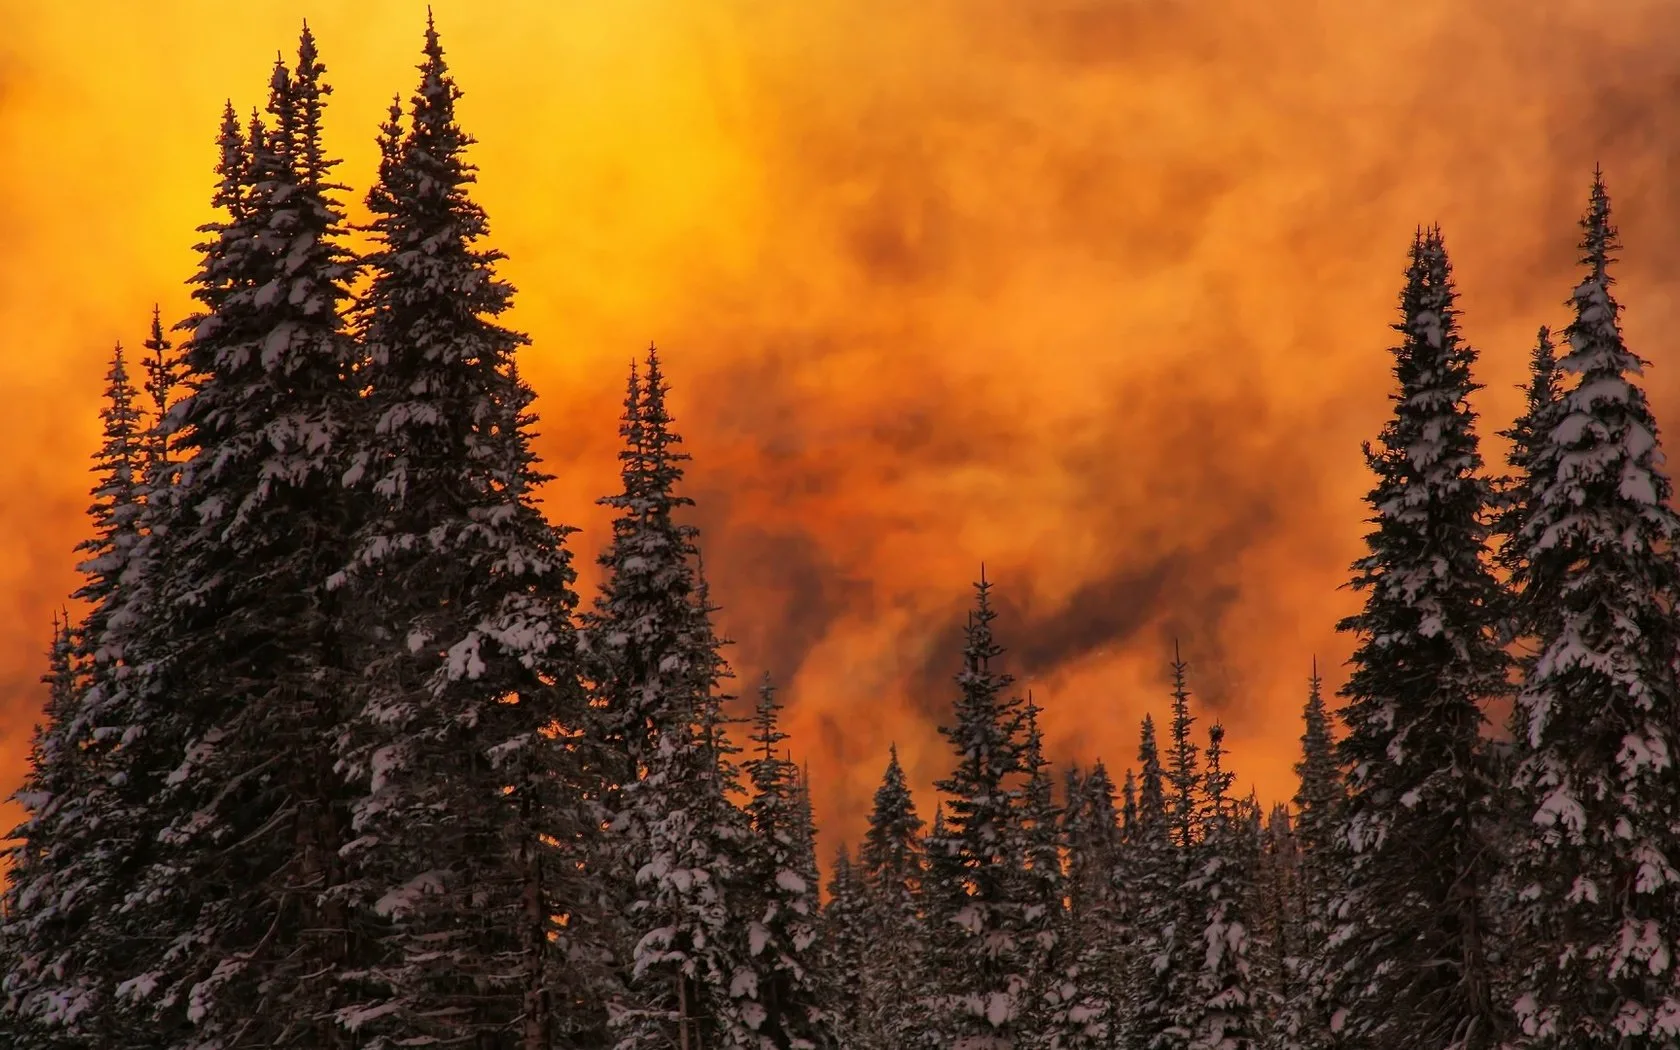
x=849, y=942
x=240, y=650
x=1042, y=888
x=786, y=1010
x=805, y=826
x=1410, y=948
x=942, y=896
x=46, y=949
x=1318, y=834
x=1128, y=806
x=1176, y=919
x=979, y=946
x=892, y=867
x=1601, y=706
x=653, y=664
x=64, y=898
x=120, y=466
x=1183, y=776
x=1225, y=1006
x=1533, y=460
x=472, y=819
x=163, y=376
x=1085, y=1011
x=1151, y=869
x=1280, y=918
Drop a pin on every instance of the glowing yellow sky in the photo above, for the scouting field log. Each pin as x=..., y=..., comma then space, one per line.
x=1092, y=290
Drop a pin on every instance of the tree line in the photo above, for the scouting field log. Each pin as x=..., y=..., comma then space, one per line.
x=335, y=755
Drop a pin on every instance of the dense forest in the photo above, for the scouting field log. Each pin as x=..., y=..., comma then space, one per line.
x=335, y=756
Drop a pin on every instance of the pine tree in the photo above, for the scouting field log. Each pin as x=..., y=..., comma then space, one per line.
x=654, y=665
x=1151, y=869
x=1410, y=945
x=1316, y=834
x=1529, y=455
x=45, y=953
x=115, y=516
x=1176, y=920
x=980, y=947
x=1086, y=1010
x=1042, y=889
x=892, y=867
x=1183, y=777
x=1599, y=887
x=64, y=896
x=849, y=943
x=472, y=823
x=1225, y=1006
x=239, y=655
x=163, y=376
x=787, y=1007
x=1280, y=964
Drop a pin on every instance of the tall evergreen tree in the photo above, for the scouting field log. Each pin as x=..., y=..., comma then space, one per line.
x=1281, y=962
x=115, y=515
x=980, y=946
x=1088, y=977
x=1529, y=455
x=1174, y=921
x=1225, y=1006
x=46, y=978
x=849, y=943
x=67, y=884
x=892, y=867
x=1412, y=919
x=1042, y=887
x=472, y=823
x=241, y=646
x=1316, y=834
x=1151, y=869
x=654, y=666
x=163, y=376
x=1183, y=776
x=787, y=1010
x=1601, y=705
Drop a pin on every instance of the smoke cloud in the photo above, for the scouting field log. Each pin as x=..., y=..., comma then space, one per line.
x=1095, y=292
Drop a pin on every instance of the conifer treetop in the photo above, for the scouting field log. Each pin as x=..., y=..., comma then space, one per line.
x=1181, y=759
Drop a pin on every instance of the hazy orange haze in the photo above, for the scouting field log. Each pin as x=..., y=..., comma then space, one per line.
x=1095, y=291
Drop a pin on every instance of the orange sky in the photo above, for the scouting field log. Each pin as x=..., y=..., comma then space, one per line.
x=1092, y=290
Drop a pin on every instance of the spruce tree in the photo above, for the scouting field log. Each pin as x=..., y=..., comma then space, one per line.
x=849, y=944
x=163, y=376
x=786, y=1010
x=1225, y=1005
x=1280, y=917
x=471, y=823
x=891, y=867
x=1042, y=889
x=120, y=466
x=1530, y=455
x=1410, y=946
x=1084, y=996
x=1151, y=869
x=980, y=946
x=654, y=667
x=65, y=896
x=1175, y=919
x=240, y=649
x=1317, y=834
x=1599, y=889
x=48, y=983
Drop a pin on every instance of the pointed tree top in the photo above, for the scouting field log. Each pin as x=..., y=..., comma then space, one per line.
x=1598, y=235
